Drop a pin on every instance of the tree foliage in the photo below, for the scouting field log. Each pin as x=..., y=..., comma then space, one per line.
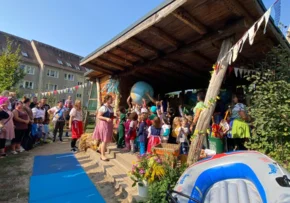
x=10, y=73
x=270, y=106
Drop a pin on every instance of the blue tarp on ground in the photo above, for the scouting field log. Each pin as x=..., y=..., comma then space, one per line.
x=54, y=164
x=59, y=178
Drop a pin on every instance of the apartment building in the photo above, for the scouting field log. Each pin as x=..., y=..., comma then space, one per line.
x=28, y=62
x=48, y=68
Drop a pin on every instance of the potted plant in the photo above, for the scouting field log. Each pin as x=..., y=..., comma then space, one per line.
x=148, y=169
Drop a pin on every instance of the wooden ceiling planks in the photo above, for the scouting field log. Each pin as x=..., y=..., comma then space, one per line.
x=183, y=44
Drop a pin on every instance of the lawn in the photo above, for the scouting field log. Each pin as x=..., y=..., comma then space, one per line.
x=14, y=177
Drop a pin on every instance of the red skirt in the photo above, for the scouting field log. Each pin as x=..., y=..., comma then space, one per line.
x=152, y=142
x=76, y=129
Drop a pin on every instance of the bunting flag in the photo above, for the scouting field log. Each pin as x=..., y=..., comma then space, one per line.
x=232, y=55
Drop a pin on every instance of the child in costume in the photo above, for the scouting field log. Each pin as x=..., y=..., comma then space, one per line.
x=142, y=132
x=154, y=134
x=166, y=129
x=131, y=132
x=121, y=128
x=183, y=132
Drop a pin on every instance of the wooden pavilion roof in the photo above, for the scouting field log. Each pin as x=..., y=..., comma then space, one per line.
x=176, y=44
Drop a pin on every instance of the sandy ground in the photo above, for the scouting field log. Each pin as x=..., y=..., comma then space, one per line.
x=15, y=171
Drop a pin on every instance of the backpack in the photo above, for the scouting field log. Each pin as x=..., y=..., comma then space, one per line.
x=27, y=142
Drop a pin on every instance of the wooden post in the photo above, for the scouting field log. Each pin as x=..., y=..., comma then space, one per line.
x=212, y=93
x=99, y=95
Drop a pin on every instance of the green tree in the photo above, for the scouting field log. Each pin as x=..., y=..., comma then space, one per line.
x=270, y=106
x=10, y=73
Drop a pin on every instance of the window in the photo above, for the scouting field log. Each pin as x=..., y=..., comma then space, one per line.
x=69, y=77
x=24, y=53
x=22, y=66
x=68, y=64
x=51, y=87
x=77, y=67
x=29, y=70
x=27, y=84
x=52, y=73
x=80, y=83
x=59, y=61
x=79, y=95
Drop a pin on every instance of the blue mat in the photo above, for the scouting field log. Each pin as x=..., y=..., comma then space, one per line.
x=60, y=179
x=54, y=164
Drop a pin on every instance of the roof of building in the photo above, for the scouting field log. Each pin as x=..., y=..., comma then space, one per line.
x=181, y=40
x=55, y=57
x=27, y=53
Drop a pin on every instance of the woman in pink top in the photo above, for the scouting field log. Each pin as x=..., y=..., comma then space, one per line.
x=21, y=121
x=104, y=129
x=7, y=132
x=76, y=124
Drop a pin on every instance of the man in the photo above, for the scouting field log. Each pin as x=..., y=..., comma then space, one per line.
x=58, y=119
x=68, y=103
x=46, y=121
x=33, y=103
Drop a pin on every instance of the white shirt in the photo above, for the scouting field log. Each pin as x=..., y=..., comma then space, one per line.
x=78, y=115
x=182, y=134
x=38, y=113
x=103, y=109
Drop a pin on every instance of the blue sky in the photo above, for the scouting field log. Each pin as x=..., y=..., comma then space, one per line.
x=80, y=26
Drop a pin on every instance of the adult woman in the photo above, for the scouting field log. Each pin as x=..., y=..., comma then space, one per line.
x=21, y=121
x=104, y=129
x=240, y=130
x=7, y=132
x=76, y=124
x=198, y=108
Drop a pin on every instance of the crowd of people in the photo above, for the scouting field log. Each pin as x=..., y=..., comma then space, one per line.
x=26, y=123
x=141, y=127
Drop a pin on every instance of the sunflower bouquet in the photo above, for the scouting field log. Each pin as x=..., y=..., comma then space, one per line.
x=147, y=169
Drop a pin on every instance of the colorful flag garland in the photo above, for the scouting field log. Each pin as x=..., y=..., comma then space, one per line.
x=232, y=55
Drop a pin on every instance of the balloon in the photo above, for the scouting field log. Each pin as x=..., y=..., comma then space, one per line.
x=139, y=90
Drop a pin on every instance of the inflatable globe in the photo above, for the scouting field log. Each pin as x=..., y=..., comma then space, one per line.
x=139, y=90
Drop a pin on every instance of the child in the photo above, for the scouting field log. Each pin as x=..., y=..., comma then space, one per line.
x=166, y=128
x=142, y=132
x=154, y=134
x=121, y=128
x=183, y=132
x=131, y=132
x=175, y=127
x=76, y=124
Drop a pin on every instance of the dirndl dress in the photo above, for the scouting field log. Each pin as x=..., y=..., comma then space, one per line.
x=154, y=139
x=77, y=129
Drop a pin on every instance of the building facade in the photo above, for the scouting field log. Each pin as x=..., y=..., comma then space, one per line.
x=48, y=68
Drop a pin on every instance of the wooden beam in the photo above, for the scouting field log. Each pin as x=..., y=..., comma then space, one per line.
x=112, y=57
x=139, y=43
x=237, y=8
x=186, y=18
x=157, y=32
x=96, y=67
x=183, y=66
x=202, y=57
x=139, y=58
x=206, y=114
x=153, y=19
x=193, y=46
x=108, y=63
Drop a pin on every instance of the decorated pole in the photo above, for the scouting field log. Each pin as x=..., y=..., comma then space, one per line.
x=212, y=92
